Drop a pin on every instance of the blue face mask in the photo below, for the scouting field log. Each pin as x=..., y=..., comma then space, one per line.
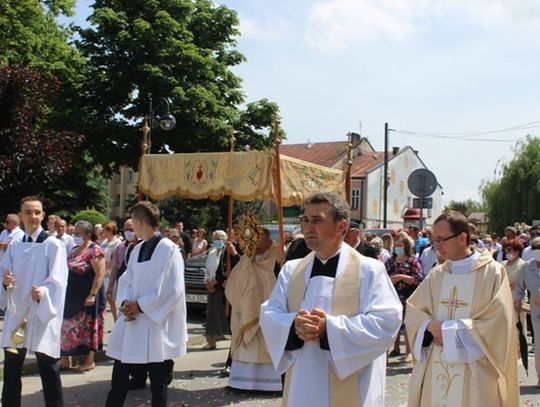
x=219, y=244
x=399, y=251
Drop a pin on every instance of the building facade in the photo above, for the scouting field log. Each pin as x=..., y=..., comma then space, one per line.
x=122, y=192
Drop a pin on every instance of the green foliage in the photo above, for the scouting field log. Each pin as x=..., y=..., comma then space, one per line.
x=515, y=197
x=465, y=207
x=91, y=215
x=31, y=36
x=205, y=213
x=81, y=187
x=182, y=49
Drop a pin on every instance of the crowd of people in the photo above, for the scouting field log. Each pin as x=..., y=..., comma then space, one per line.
x=315, y=320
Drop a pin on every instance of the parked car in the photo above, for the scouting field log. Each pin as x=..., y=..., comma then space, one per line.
x=274, y=230
x=196, y=293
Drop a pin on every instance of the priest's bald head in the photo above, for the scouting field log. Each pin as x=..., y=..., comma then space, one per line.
x=325, y=222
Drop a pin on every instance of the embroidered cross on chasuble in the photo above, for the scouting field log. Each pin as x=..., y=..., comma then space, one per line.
x=453, y=303
x=447, y=379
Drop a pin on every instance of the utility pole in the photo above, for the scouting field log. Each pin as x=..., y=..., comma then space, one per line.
x=385, y=185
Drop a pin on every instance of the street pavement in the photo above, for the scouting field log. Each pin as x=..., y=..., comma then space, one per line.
x=197, y=381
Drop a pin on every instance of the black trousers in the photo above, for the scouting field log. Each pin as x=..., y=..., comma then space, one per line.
x=158, y=373
x=50, y=379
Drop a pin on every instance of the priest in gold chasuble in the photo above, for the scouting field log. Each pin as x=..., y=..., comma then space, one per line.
x=461, y=324
x=250, y=283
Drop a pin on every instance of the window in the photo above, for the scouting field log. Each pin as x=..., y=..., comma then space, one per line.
x=355, y=199
x=130, y=176
x=117, y=200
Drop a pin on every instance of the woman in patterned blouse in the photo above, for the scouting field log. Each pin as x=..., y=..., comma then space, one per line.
x=406, y=274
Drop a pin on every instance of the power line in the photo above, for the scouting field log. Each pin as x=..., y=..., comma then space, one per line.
x=414, y=134
x=468, y=136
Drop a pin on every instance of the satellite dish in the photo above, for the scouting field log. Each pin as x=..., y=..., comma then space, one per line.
x=422, y=182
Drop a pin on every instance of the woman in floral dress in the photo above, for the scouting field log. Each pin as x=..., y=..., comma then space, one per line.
x=82, y=329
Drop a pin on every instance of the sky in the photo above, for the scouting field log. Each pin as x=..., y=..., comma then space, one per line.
x=441, y=73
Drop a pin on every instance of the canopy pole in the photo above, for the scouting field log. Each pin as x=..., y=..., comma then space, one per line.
x=230, y=206
x=277, y=180
x=145, y=145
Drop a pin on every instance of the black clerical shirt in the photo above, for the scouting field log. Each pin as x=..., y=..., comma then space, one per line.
x=148, y=247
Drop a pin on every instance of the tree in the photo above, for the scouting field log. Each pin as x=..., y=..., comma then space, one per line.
x=33, y=157
x=465, y=207
x=84, y=185
x=31, y=37
x=205, y=213
x=515, y=197
x=91, y=215
x=182, y=49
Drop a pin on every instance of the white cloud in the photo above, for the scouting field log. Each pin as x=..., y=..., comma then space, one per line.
x=493, y=13
x=334, y=25
x=263, y=31
x=337, y=24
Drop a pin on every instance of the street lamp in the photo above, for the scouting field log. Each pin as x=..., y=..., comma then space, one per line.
x=166, y=121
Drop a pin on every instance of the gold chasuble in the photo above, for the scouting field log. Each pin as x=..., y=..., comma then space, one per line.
x=345, y=301
x=482, y=300
x=249, y=285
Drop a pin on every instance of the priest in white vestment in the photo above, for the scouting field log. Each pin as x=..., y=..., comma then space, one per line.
x=462, y=326
x=331, y=316
x=35, y=274
x=153, y=329
x=250, y=283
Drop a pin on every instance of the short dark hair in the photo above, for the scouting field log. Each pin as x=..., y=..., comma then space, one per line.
x=338, y=206
x=30, y=198
x=265, y=231
x=457, y=221
x=147, y=212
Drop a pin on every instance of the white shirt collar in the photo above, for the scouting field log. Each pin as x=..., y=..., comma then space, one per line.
x=35, y=235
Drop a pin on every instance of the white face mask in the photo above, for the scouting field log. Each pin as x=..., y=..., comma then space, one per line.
x=536, y=254
x=510, y=256
x=78, y=240
x=129, y=235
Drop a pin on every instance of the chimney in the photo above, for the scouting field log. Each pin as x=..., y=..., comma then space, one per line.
x=355, y=138
x=395, y=150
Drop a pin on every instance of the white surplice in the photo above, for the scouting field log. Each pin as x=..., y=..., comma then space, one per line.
x=43, y=265
x=160, y=331
x=358, y=344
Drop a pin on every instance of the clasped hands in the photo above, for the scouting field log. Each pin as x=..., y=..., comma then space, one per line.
x=310, y=326
x=9, y=280
x=130, y=308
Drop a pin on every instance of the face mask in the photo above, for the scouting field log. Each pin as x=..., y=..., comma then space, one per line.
x=399, y=251
x=510, y=256
x=129, y=235
x=78, y=240
x=536, y=254
x=219, y=244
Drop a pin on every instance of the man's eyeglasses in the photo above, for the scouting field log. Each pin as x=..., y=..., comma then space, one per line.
x=441, y=240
